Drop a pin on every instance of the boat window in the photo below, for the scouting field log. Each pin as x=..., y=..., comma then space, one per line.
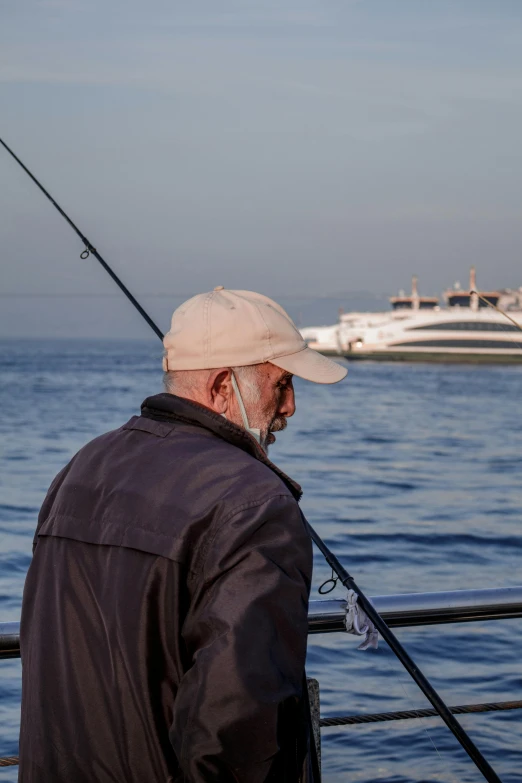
x=466, y=326
x=464, y=300
x=459, y=300
x=495, y=345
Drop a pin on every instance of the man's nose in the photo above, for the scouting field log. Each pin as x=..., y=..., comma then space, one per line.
x=287, y=405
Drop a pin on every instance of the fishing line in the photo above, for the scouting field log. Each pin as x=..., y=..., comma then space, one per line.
x=443, y=760
x=343, y=575
x=498, y=309
x=502, y=312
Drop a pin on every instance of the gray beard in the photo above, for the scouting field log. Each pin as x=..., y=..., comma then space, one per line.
x=277, y=424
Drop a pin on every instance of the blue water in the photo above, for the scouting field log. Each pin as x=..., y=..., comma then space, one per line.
x=412, y=475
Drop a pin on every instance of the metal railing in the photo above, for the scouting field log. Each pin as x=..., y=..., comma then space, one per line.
x=409, y=609
x=398, y=611
x=405, y=610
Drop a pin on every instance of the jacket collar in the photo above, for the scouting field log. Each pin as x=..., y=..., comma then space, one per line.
x=170, y=407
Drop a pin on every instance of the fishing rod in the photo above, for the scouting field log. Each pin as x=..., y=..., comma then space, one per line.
x=89, y=249
x=345, y=578
x=410, y=666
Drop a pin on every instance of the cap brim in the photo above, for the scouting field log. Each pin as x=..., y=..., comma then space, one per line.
x=311, y=366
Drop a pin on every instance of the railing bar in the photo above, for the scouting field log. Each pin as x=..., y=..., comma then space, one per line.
x=9, y=761
x=378, y=717
x=398, y=611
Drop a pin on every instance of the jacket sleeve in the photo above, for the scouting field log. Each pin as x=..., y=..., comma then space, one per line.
x=246, y=636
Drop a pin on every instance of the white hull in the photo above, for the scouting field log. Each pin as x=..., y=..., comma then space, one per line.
x=451, y=334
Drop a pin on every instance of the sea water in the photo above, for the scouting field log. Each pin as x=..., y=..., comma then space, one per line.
x=412, y=475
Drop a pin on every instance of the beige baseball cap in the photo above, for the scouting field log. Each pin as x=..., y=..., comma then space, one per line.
x=226, y=328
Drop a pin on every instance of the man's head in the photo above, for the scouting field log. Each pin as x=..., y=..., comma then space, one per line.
x=266, y=391
x=236, y=352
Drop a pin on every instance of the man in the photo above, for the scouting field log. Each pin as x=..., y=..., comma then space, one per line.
x=164, y=618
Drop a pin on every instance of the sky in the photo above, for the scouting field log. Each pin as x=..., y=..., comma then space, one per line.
x=314, y=150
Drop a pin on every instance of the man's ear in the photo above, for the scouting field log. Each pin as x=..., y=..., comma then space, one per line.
x=219, y=389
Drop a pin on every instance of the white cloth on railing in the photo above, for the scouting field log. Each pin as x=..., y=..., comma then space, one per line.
x=358, y=622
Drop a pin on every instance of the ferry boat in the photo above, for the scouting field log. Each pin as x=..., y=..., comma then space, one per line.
x=469, y=328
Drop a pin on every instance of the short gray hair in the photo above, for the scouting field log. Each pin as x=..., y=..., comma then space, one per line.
x=185, y=383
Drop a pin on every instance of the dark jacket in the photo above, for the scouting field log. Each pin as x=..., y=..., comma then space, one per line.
x=164, y=618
